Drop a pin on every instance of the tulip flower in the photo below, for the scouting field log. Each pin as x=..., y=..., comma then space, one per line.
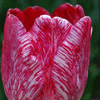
x=46, y=57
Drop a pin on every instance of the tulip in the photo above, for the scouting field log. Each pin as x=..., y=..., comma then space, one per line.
x=46, y=57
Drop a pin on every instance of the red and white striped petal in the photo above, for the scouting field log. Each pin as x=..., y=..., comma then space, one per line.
x=22, y=74
x=49, y=33
x=70, y=64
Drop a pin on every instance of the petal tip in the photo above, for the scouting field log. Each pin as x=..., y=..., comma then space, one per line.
x=87, y=18
x=12, y=11
x=9, y=12
x=45, y=16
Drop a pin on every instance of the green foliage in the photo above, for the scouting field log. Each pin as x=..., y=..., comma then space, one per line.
x=92, y=9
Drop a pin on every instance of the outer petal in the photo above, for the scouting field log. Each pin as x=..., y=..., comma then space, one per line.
x=13, y=28
x=71, y=62
x=67, y=11
x=64, y=55
x=48, y=33
x=18, y=61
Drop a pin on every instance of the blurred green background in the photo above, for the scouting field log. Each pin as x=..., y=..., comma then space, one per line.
x=92, y=9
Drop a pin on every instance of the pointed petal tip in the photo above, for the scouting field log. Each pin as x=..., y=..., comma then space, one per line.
x=86, y=19
x=79, y=6
x=80, y=10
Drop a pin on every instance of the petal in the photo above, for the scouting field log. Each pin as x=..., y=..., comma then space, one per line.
x=49, y=34
x=33, y=12
x=72, y=59
x=13, y=28
x=21, y=73
x=67, y=11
